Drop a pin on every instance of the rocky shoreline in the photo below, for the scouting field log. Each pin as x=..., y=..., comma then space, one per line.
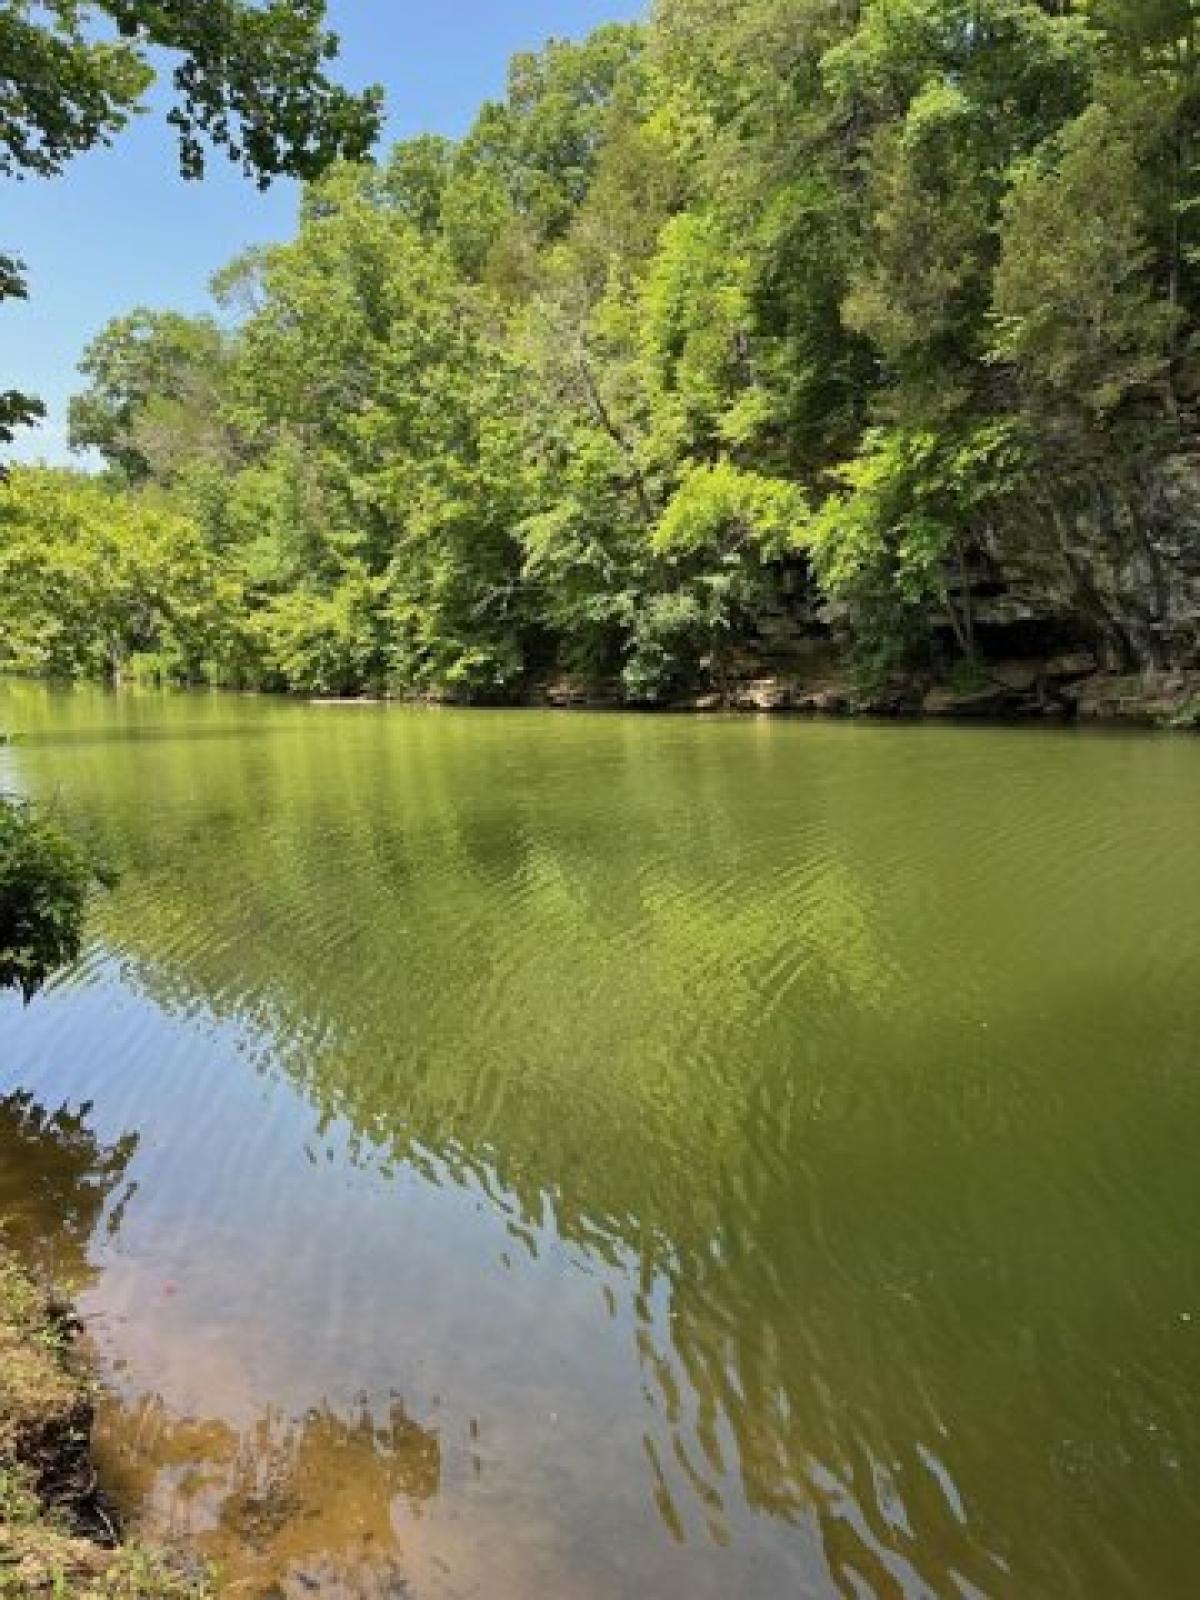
x=1065, y=688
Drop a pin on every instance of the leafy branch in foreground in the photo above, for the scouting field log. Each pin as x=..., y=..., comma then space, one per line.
x=45, y=878
x=248, y=78
x=17, y=410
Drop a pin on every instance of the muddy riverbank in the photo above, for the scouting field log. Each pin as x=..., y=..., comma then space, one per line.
x=58, y=1536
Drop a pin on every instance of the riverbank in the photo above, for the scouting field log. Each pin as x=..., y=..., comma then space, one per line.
x=57, y=1537
x=1069, y=687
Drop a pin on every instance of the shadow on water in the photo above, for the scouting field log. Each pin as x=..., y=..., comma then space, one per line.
x=59, y=1184
x=602, y=1157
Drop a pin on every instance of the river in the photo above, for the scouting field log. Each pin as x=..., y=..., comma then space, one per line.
x=601, y=1157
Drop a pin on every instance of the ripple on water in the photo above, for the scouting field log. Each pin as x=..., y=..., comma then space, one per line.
x=615, y=1156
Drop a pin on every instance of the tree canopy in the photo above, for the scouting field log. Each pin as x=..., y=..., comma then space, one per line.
x=759, y=313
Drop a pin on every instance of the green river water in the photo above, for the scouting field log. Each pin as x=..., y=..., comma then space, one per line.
x=563, y=1157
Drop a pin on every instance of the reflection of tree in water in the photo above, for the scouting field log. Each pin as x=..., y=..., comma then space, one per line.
x=874, y=1326
x=789, y=1413
x=882, y=1365
x=56, y=1178
x=286, y=1506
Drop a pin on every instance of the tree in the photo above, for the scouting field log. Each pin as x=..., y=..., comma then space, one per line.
x=763, y=315
x=544, y=140
x=142, y=366
x=1078, y=309
x=95, y=583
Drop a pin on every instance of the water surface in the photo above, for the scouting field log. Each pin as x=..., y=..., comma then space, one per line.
x=616, y=1158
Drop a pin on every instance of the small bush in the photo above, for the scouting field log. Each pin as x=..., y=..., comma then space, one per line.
x=44, y=883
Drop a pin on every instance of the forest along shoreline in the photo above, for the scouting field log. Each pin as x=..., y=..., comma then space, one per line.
x=59, y=1537
x=740, y=332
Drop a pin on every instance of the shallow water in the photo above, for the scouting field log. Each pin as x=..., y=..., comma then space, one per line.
x=590, y=1157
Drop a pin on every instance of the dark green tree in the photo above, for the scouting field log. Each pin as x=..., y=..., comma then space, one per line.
x=44, y=883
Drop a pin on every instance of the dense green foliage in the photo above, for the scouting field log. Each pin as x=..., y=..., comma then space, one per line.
x=44, y=882
x=761, y=306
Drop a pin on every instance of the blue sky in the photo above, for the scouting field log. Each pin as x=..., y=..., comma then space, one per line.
x=121, y=229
